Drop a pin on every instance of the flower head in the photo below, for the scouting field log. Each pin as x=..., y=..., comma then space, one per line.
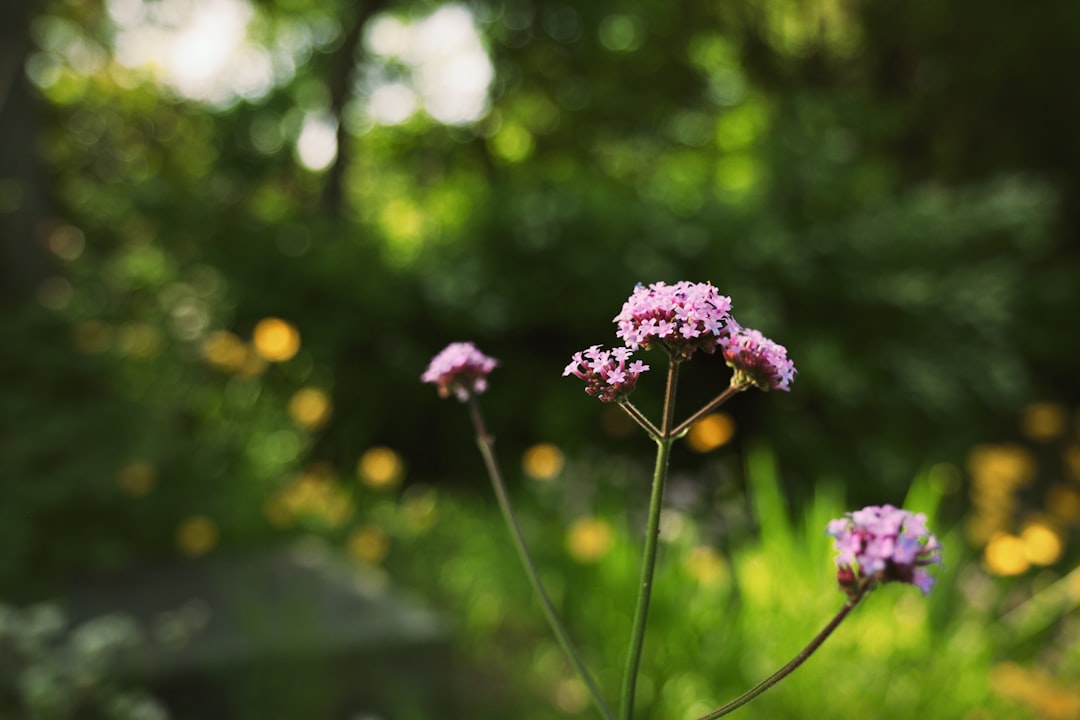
x=682, y=318
x=460, y=369
x=883, y=544
x=756, y=359
x=605, y=372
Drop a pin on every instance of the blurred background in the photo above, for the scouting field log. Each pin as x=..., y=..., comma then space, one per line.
x=234, y=232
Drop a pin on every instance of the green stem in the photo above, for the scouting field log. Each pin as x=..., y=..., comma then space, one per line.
x=795, y=662
x=652, y=536
x=486, y=444
x=640, y=419
x=713, y=404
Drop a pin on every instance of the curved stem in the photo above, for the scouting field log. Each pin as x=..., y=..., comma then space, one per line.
x=486, y=444
x=652, y=536
x=713, y=404
x=795, y=662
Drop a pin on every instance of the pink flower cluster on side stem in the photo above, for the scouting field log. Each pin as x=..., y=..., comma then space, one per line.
x=605, y=372
x=683, y=318
x=757, y=360
x=460, y=369
x=883, y=544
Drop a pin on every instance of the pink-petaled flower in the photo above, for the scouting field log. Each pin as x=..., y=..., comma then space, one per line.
x=460, y=369
x=605, y=372
x=681, y=318
x=883, y=544
x=756, y=359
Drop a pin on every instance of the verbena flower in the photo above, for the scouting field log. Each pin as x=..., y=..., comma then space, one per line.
x=460, y=369
x=883, y=544
x=682, y=318
x=605, y=372
x=756, y=359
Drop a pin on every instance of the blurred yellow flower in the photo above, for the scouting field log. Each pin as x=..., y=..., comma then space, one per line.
x=141, y=341
x=1046, y=696
x=1063, y=501
x=1043, y=421
x=314, y=494
x=589, y=539
x=1072, y=462
x=380, y=468
x=543, y=461
x=1001, y=465
x=310, y=408
x=136, y=477
x=1042, y=543
x=368, y=544
x=276, y=340
x=196, y=535
x=225, y=351
x=707, y=566
x=710, y=432
x=1005, y=554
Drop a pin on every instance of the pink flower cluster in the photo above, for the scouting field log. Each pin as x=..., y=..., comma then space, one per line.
x=883, y=544
x=460, y=369
x=757, y=360
x=683, y=317
x=605, y=372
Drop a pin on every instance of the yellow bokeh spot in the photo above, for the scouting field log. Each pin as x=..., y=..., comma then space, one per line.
x=140, y=340
x=983, y=526
x=196, y=535
x=707, y=566
x=1072, y=586
x=1063, y=501
x=543, y=461
x=227, y=352
x=1043, y=421
x=1006, y=466
x=711, y=432
x=1005, y=554
x=1042, y=544
x=570, y=696
x=380, y=468
x=1072, y=462
x=314, y=494
x=589, y=539
x=136, y=478
x=224, y=350
x=1046, y=696
x=276, y=340
x=276, y=511
x=368, y=544
x=310, y=408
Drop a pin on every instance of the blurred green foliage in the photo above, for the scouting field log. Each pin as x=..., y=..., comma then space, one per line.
x=890, y=190
x=723, y=619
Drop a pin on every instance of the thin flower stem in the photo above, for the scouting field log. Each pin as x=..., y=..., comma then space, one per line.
x=486, y=444
x=652, y=535
x=640, y=419
x=795, y=662
x=713, y=404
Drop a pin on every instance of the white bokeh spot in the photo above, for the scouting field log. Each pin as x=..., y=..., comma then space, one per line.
x=448, y=73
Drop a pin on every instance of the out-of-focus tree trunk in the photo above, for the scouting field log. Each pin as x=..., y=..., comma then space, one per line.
x=23, y=260
x=340, y=83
